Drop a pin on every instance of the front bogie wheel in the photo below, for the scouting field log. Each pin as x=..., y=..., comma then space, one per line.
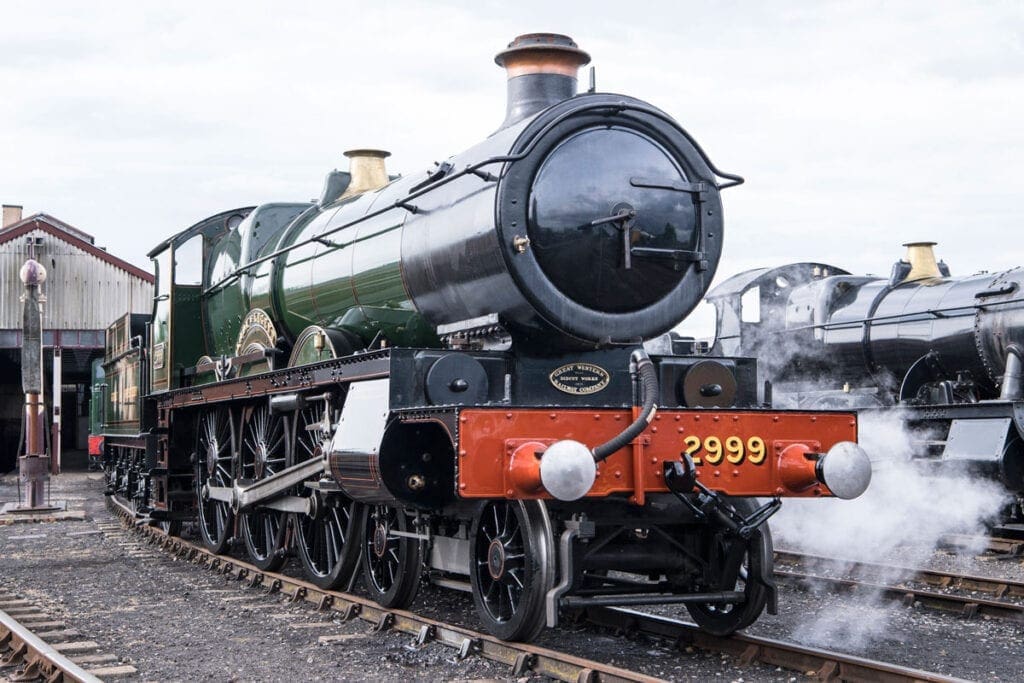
x=511, y=567
x=722, y=619
x=391, y=562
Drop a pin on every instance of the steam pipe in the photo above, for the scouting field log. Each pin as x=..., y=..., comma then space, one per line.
x=1013, y=377
x=641, y=364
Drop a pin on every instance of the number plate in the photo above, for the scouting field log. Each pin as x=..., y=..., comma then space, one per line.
x=713, y=450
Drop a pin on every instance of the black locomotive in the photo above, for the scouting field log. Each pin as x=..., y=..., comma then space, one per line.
x=944, y=354
x=442, y=376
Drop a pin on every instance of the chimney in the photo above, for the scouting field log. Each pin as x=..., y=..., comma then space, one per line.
x=367, y=171
x=12, y=214
x=541, y=70
x=921, y=258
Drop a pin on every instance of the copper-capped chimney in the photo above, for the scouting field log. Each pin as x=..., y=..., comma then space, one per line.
x=541, y=70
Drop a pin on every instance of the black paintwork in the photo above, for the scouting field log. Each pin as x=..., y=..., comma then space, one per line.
x=578, y=294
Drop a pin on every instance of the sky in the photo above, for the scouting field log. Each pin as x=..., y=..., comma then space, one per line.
x=857, y=125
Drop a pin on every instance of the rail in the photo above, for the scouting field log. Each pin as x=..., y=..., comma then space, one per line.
x=526, y=659
x=969, y=582
x=37, y=658
x=826, y=664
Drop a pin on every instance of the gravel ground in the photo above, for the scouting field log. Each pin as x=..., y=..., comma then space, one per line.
x=173, y=621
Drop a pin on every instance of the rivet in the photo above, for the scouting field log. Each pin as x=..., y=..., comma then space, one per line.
x=553, y=416
x=735, y=473
x=462, y=486
x=462, y=453
x=715, y=418
x=654, y=429
x=509, y=493
x=618, y=417
x=680, y=429
x=678, y=417
x=618, y=474
x=779, y=491
x=718, y=473
x=654, y=461
x=814, y=419
x=463, y=420
x=597, y=417
x=657, y=417
x=775, y=418
x=735, y=418
x=508, y=416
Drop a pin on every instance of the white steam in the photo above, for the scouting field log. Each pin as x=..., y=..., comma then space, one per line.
x=899, y=520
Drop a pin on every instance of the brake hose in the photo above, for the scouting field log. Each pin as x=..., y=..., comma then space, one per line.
x=640, y=363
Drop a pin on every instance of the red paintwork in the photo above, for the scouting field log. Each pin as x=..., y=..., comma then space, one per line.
x=496, y=448
x=95, y=445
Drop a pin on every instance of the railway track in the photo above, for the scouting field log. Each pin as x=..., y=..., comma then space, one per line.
x=524, y=658
x=821, y=664
x=992, y=544
x=857, y=576
x=33, y=646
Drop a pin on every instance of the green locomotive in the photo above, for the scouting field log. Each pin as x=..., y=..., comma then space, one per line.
x=443, y=377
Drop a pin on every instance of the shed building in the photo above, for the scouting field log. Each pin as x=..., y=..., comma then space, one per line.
x=86, y=289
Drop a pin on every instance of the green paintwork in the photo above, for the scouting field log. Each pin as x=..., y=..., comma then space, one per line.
x=123, y=404
x=227, y=305
x=118, y=385
x=96, y=397
x=159, y=335
x=188, y=346
x=354, y=282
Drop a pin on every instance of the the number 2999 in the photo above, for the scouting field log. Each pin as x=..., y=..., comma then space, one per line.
x=712, y=450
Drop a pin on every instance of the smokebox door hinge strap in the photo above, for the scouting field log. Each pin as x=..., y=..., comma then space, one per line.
x=700, y=189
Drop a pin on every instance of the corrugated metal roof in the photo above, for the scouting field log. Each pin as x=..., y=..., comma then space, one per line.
x=83, y=291
x=69, y=234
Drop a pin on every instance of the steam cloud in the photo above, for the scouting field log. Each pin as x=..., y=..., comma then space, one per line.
x=899, y=520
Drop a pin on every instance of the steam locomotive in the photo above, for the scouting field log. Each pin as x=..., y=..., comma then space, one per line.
x=942, y=354
x=442, y=377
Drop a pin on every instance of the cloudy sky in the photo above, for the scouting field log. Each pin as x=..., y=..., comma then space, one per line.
x=858, y=125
